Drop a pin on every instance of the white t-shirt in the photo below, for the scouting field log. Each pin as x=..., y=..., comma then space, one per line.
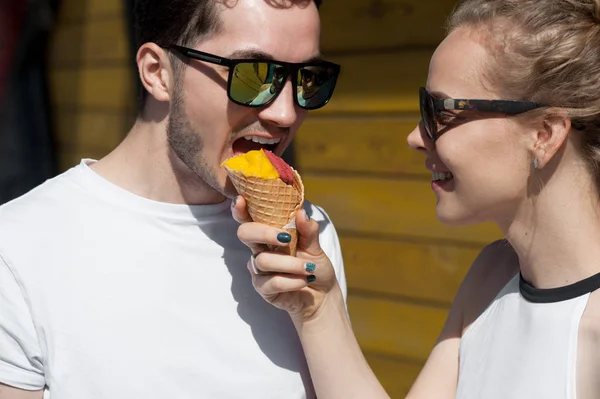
x=107, y=295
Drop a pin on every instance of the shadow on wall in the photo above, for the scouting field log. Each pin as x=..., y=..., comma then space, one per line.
x=26, y=144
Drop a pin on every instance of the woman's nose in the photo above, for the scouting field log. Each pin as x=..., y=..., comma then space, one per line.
x=418, y=139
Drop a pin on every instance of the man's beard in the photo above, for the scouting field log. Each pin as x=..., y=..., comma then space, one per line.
x=188, y=146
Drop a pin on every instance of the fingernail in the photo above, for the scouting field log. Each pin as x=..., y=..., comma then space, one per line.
x=284, y=238
x=310, y=267
x=234, y=201
x=311, y=279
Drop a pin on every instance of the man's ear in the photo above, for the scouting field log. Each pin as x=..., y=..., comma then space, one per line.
x=551, y=136
x=156, y=73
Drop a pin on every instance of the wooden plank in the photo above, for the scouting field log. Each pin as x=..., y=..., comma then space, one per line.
x=429, y=272
x=87, y=44
x=396, y=376
x=351, y=25
x=67, y=159
x=346, y=24
x=359, y=144
x=107, y=88
x=388, y=207
x=83, y=10
x=89, y=129
x=378, y=82
x=394, y=328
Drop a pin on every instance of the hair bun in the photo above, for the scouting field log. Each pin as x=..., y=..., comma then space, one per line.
x=596, y=10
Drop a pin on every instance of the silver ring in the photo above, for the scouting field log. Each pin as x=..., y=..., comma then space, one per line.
x=255, y=268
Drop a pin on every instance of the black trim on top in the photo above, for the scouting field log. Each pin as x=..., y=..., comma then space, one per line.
x=550, y=295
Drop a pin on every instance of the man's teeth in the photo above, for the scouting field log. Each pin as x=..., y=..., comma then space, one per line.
x=437, y=176
x=262, y=140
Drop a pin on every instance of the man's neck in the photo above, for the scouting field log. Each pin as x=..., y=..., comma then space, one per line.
x=144, y=164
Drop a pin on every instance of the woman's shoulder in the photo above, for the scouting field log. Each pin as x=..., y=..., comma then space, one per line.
x=495, y=265
x=492, y=269
x=495, y=259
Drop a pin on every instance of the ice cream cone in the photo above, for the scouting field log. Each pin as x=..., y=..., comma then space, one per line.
x=272, y=202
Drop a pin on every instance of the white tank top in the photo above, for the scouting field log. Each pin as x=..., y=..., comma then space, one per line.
x=524, y=345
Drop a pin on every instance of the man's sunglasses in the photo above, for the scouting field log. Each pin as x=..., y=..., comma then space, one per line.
x=432, y=106
x=258, y=82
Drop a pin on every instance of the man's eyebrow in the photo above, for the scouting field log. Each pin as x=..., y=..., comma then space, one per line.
x=261, y=55
x=253, y=54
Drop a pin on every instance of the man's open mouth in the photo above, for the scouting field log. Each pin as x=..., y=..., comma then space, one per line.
x=250, y=143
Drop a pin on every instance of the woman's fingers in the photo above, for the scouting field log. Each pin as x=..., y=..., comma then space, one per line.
x=239, y=211
x=308, y=234
x=270, y=262
x=272, y=284
x=277, y=284
x=256, y=235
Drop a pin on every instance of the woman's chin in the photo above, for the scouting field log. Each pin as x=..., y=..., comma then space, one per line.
x=453, y=218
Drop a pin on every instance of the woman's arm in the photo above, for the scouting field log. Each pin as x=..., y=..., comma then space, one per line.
x=336, y=362
x=495, y=265
x=306, y=287
x=8, y=392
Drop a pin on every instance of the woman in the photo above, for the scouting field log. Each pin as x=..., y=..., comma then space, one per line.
x=526, y=320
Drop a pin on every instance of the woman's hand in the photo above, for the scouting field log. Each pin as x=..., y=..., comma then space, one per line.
x=316, y=305
x=297, y=284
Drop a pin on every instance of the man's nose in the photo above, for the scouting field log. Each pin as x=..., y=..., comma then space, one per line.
x=282, y=112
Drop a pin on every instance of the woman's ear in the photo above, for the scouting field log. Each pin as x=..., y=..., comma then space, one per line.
x=550, y=136
x=155, y=71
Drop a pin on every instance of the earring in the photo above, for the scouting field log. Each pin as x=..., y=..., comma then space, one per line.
x=535, y=164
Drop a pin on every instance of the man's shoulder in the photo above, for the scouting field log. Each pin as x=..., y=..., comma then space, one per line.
x=29, y=211
x=46, y=191
x=328, y=236
x=319, y=214
x=316, y=212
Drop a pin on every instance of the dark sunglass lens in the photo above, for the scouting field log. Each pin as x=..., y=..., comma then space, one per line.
x=256, y=83
x=427, y=112
x=315, y=85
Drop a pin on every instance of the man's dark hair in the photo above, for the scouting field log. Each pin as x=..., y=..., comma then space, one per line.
x=182, y=22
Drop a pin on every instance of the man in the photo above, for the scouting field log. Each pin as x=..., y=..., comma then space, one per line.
x=124, y=278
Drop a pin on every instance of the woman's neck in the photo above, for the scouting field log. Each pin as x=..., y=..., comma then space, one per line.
x=556, y=234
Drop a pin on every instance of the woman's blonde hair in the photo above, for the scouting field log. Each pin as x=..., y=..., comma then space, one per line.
x=547, y=51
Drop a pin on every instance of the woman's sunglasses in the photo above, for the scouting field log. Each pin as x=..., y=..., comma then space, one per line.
x=258, y=82
x=432, y=106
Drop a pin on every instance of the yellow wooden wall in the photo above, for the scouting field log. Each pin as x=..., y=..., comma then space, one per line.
x=403, y=266
x=92, y=82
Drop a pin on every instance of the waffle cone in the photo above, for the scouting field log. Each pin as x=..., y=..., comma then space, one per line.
x=272, y=202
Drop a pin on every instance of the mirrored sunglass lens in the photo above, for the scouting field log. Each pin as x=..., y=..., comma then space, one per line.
x=256, y=83
x=315, y=86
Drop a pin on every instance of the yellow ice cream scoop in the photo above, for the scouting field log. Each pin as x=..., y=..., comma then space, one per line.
x=273, y=191
x=253, y=164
